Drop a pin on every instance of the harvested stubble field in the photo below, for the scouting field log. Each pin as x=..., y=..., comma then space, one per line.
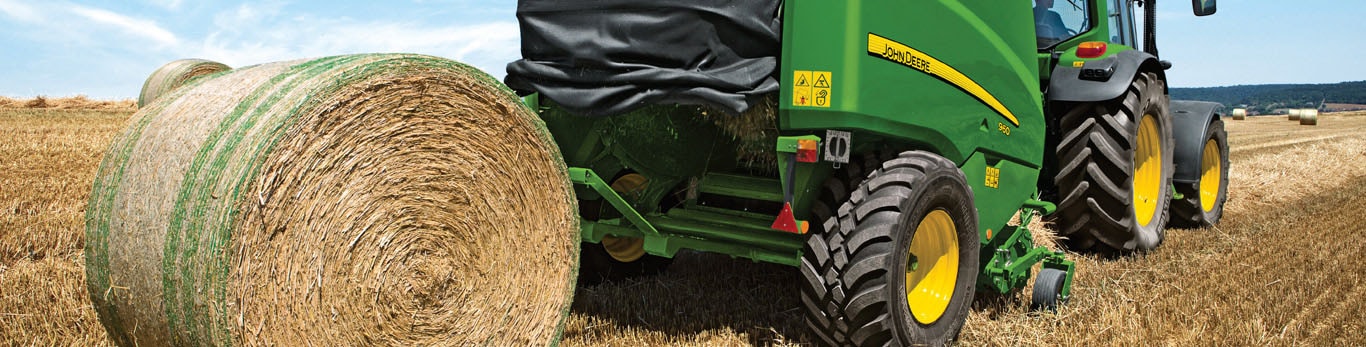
x=1281, y=269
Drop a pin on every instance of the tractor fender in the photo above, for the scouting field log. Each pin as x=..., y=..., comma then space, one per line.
x=1101, y=79
x=1191, y=119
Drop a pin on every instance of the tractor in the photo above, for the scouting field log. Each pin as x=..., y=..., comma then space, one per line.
x=881, y=148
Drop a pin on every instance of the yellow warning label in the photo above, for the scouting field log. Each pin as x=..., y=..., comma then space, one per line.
x=993, y=177
x=811, y=88
x=801, y=88
x=821, y=89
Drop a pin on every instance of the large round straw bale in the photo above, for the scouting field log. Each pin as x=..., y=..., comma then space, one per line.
x=175, y=74
x=1294, y=114
x=349, y=200
x=1239, y=113
x=1309, y=117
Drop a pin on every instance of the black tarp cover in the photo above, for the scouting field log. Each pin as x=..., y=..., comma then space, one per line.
x=607, y=57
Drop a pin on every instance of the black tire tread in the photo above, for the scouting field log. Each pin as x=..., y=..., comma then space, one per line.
x=1047, y=285
x=1095, y=158
x=845, y=300
x=1187, y=212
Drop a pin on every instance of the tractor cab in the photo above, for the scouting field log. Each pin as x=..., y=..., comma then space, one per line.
x=1091, y=26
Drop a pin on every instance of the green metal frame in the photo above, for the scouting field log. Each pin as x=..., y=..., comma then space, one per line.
x=1008, y=259
x=699, y=228
x=886, y=102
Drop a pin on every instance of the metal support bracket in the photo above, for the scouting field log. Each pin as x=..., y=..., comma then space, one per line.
x=591, y=179
x=1008, y=261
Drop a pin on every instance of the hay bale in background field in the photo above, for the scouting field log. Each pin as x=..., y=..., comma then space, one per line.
x=1294, y=114
x=37, y=102
x=1309, y=117
x=1239, y=113
x=350, y=200
x=78, y=102
x=175, y=74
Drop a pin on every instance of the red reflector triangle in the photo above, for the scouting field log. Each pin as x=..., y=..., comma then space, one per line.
x=786, y=222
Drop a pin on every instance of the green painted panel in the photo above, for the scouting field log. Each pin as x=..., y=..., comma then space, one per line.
x=906, y=99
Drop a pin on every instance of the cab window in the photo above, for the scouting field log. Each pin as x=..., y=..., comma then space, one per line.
x=1058, y=20
x=1122, y=22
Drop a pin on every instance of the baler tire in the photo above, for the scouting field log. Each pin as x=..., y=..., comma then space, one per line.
x=1190, y=212
x=1047, y=295
x=597, y=266
x=1098, y=208
x=835, y=190
x=857, y=271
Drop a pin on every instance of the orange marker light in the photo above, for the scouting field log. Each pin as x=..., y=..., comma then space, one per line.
x=1091, y=49
x=806, y=151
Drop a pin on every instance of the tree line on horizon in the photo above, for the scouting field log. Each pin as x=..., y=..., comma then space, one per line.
x=1268, y=98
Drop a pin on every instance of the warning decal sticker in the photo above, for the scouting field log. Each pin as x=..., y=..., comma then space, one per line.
x=811, y=88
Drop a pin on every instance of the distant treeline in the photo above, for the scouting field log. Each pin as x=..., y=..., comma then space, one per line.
x=1269, y=97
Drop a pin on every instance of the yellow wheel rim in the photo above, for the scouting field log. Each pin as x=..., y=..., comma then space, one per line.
x=1147, y=170
x=1211, y=170
x=626, y=249
x=932, y=267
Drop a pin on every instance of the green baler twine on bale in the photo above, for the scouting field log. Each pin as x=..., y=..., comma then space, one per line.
x=356, y=199
x=174, y=75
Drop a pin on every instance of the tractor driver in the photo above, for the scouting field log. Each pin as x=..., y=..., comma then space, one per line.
x=1047, y=23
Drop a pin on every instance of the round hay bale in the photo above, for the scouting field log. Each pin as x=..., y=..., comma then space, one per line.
x=1295, y=114
x=175, y=74
x=1239, y=114
x=350, y=200
x=1309, y=117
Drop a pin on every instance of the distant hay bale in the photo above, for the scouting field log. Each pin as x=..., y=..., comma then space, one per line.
x=1309, y=117
x=1295, y=114
x=37, y=102
x=78, y=102
x=382, y=199
x=175, y=74
x=1239, y=114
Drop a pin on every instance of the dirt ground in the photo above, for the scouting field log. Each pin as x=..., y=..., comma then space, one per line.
x=1279, y=270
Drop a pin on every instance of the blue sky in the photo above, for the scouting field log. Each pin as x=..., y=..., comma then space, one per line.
x=105, y=49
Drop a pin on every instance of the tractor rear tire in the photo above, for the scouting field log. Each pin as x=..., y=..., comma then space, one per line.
x=1202, y=203
x=1116, y=170
x=906, y=235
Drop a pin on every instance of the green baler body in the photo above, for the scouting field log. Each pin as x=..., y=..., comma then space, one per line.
x=991, y=43
x=959, y=78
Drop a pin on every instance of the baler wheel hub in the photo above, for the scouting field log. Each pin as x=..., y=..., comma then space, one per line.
x=932, y=267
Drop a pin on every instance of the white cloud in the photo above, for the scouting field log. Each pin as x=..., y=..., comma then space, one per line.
x=121, y=43
x=137, y=27
x=83, y=26
x=272, y=38
x=167, y=4
x=19, y=11
x=246, y=16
